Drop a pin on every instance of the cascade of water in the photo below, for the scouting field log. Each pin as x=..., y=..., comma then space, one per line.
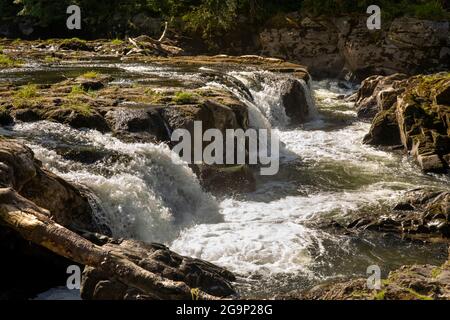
x=145, y=190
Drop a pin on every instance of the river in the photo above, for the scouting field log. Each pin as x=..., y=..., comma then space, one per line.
x=270, y=238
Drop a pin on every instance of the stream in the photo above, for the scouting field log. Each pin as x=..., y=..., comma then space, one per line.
x=267, y=237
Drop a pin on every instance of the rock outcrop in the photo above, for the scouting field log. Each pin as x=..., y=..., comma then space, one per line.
x=414, y=112
x=344, y=46
x=416, y=282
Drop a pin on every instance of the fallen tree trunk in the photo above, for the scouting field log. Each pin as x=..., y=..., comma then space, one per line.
x=33, y=223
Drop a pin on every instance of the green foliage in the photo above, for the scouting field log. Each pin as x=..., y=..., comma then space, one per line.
x=116, y=42
x=76, y=91
x=430, y=10
x=208, y=18
x=423, y=9
x=212, y=17
x=26, y=96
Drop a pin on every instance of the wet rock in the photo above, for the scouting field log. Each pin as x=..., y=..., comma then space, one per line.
x=384, y=130
x=422, y=215
x=68, y=205
x=226, y=180
x=143, y=125
x=160, y=260
x=77, y=119
x=5, y=117
x=378, y=93
x=83, y=154
x=92, y=84
x=294, y=100
x=75, y=45
x=416, y=282
x=26, y=115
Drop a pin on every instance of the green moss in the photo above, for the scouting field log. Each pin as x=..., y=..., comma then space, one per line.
x=6, y=61
x=91, y=75
x=27, y=91
x=79, y=107
x=73, y=41
x=184, y=98
x=436, y=272
x=76, y=91
x=380, y=295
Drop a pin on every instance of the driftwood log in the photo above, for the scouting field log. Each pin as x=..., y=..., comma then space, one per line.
x=147, y=45
x=33, y=224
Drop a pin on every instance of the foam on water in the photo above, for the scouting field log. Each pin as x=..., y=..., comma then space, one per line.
x=148, y=193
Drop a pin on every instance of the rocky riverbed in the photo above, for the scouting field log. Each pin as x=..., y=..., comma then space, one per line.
x=88, y=175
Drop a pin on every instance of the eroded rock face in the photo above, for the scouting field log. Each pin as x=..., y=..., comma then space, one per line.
x=421, y=113
x=160, y=260
x=334, y=47
x=378, y=93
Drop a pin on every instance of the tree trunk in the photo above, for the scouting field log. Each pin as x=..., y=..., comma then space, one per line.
x=33, y=223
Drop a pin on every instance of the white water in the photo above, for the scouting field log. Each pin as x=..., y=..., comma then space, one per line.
x=148, y=193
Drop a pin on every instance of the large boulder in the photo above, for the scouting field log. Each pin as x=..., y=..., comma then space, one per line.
x=137, y=124
x=294, y=96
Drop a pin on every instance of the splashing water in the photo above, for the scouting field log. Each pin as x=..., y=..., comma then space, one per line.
x=146, y=191
x=266, y=237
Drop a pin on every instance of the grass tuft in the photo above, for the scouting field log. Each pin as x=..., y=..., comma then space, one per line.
x=6, y=61
x=184, y=98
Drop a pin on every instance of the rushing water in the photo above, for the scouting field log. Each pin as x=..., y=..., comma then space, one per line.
x=267, y=237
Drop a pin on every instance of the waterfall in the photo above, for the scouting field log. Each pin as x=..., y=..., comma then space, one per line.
x=145, y=190
x=266, y=109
